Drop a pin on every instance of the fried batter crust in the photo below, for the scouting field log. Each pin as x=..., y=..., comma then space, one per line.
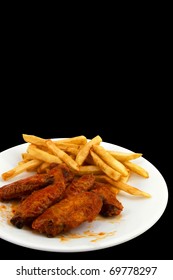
x=37, y=202
x=111, y=205
x=25, y=186
x=69, y=213
x=81, y=184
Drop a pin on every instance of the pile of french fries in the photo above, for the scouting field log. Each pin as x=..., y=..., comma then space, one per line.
x=82, y=156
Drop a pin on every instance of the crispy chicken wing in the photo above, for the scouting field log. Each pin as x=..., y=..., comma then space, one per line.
x=111, y=205
x=67, y=173
x=81, y=184
x=25, y=186
x=37, y=202
x=68, y=213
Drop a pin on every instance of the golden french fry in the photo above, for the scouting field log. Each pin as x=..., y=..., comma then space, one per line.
x=26, y=156
x=127, y=188
x=42, y=155
x=22, y=162
x=125, y=179
x=136, y=169
x=110, y=160
x=69, y=147
x=20, y=168
x=88, y=169
x=62, y=155
x=123, y=156
x=43, y=167
x=112, y=173
x=80, y=140
x=114, y=190
x=84, y=151
x=33, y=168
x=101, y=178
x=34, y=139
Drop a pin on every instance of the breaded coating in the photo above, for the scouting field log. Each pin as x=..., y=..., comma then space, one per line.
x=37, y=202
x=81, y=184
x=69, y=213
x=25, y=186
x=111, y=205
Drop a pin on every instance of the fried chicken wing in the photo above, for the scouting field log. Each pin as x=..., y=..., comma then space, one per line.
x=68, y=213
x=111, y=205
x=67, y=172
x=37, y=202
x=81, y=184
x=25, y=186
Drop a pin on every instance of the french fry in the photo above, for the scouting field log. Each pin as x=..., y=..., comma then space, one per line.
x=84, y=151
x=43, y=167
x=127, y=188
x=26, y=156
x=62, y=155
x=32, y=168
x=136, y=169
x=114, y=190
x=112, y=173
x=125, y=179
x=88, y=169
x=80, y=140
x=42, y=155
x=34, y=139
x=123, y=156
x=83, y=157
x=69, y=147
x=20, y=168
x=110, y=160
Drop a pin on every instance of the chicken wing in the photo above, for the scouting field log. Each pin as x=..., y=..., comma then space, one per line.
x=111, y=206
x=69, y=213
x=25, y=186
x=81, y=184
x=37, y=202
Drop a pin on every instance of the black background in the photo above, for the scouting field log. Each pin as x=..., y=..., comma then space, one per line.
x=118, y=92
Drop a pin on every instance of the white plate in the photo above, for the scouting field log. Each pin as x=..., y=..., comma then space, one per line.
x=139, y=214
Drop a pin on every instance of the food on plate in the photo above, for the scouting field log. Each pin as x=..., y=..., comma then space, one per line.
x=109, y=159
x=124, y=156
x=136, y=168
x=111, y=205
x=36, y=203
x=107, y=169
x=25, y=186
x=80, y=140
x=84, y=160
x=22, y=167
x=123, y=186
x=69, y=213
x=74, y=180
x=81, y=184
x=85, y=149
x=42, y=155
x=62, y=155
